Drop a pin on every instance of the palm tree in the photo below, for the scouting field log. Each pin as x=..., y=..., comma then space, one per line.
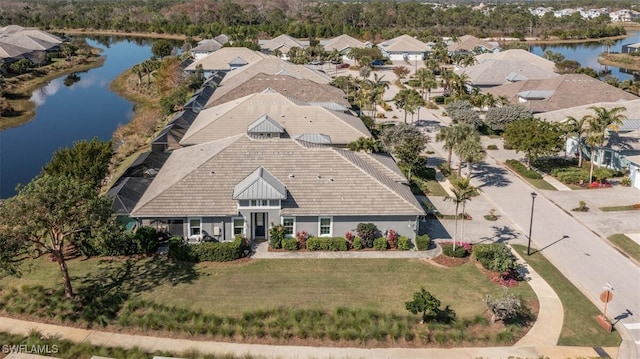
x=470, y=150
x=599, y=123
x=464, y=185
x=452, y=136
x=378, y=87
x=427, y=81
x=138, y=70
x=460, y=196
x=577, y=128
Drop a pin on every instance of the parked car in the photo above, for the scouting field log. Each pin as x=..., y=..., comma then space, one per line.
x=377, y=63
x=342, y=66
x=315, y=62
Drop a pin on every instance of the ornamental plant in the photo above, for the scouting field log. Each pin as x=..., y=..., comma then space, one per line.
x=301, y=238
x=392, y=238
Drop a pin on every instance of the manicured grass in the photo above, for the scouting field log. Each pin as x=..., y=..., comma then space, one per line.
x=320, y=302
x=234, y=288
x=626, y=244
x=579, y=327
x=631, y=207
x=433, y=188
x=541, y=184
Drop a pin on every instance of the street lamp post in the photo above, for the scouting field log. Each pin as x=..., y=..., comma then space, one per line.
x=533, y=201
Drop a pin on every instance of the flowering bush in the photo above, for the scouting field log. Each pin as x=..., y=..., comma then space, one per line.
x=505, y=279
x=392, y=238
x=301, y=238
x=603, y=184
x=349, y=237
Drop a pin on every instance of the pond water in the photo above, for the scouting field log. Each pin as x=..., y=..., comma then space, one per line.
x=587, y=54
x=83, y=110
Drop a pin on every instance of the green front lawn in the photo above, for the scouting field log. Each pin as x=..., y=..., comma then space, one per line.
x=312, y=301
x=579, y=327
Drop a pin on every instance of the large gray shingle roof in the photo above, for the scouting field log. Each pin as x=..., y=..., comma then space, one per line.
x=321, y=180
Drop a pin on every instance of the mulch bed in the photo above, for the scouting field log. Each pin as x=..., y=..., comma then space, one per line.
x=449, y=262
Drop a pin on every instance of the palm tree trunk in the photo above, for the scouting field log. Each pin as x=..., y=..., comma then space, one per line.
x=463, y=217
x=459, y=168
x=469, y=171
x=579, y=154
x=591, y=168
x=455, y=229
x=449, y=154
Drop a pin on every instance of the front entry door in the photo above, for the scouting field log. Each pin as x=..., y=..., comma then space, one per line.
x=259, y=229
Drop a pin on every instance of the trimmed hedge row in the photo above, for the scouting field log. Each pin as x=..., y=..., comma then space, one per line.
x=208, y=251
x=523, y=170
x=327, y=244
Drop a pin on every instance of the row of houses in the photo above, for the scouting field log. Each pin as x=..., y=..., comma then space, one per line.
x=529, y=80
x=17, y=42
x=623, y=15
x=403, y=47
x=259, y=145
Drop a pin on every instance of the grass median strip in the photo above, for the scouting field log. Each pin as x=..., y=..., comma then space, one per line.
x=579, y=327
x=626, y=244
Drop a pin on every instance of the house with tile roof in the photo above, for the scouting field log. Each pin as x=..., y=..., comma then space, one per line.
x=343, y=44
x=404, y=47
x=623, y=142
x=293, y=117
x=493, y=72
x=246, y=184
x=297, y=88
x=282, y=44
x=560, y=92
x=272, y=65
x=469, y=44
x=208, y=46
x=520, y=55
x=17, y=42
x=226, y=59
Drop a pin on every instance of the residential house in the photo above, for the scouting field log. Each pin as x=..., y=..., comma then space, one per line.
x=634, y=170
x=282, y=44
x=559, y=92
x=273, y=66
x=343, y=44
x=208, y=46
x=245, y=185
x=225, y=59
x=404, y=47
x=17, y=42
x=269, y=109
x=622, y=142
x=629, y=48
x=624, y=15
x=493, y=72
x=519, y=55
x=296, y=88
x=469, y=44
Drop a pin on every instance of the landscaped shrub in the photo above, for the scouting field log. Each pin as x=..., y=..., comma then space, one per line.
x=146, y=240
x=582, y=207
x=492, y=147
x=357, y=244
x=625, y=181
x=380, y=244
x=349, y=237
x=181, y=251
x=290, y=244
x=601, y=174
x=423, y=242
x=208, y=251
x=508, y=309
x=496, y=257
x=571, y=176
x=327, y=244
x=367, y=232
x=523, y=170
x=219, y=251
x=462, y=250
x=276, y=235
x=301, y=238
x=392, y=239
x=404, y=244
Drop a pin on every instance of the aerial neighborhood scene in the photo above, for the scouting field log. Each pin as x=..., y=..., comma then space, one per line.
x=319, y=179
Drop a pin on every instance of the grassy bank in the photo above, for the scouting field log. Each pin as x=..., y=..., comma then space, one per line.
x=579, y=327
x=625, y=61
x=19, y=88
x=626, y=245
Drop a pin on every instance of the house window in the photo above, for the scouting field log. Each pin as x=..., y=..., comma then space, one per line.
x=325, y=226
x=195, y=226
x=238, y=226
x=259, y=203
x=289, y=224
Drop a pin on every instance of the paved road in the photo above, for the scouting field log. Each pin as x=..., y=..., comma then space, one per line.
x=585, y=258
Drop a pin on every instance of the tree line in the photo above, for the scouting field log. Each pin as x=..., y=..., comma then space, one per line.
x=365, y=20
